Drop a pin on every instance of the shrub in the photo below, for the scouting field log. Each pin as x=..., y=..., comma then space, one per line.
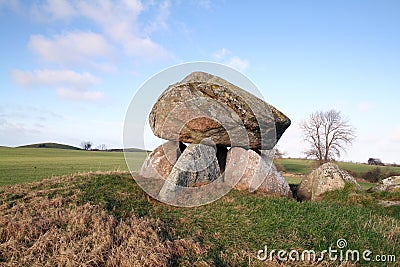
x=279, y=167
x=354, y=173
x=375, y=175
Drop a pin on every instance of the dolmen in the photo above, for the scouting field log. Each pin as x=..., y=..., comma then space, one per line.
x=216, y=133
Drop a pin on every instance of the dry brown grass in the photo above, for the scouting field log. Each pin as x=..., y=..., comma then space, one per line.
x=38, y=230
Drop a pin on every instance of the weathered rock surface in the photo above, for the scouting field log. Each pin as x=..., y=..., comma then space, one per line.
x=275, y=184
x=197, y=165
x=257, y=172
x=327, y=177
x=205, y=106
x=160, y=161
x=390, y=184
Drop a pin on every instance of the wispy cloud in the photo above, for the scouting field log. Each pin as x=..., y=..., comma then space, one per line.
x=222, y=53
x=238, y=63
x=54, y=10
x=160, y=20
x=67, y=83
x=71, y=47
x=54, y=78
x=225, y=56
x=118, y=22
x=17, y=132
x=80, y=95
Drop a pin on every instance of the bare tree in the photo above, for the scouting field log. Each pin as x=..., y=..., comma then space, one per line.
x=327, y=133
x=86, y=145
x=102, y=147
x=279, y=153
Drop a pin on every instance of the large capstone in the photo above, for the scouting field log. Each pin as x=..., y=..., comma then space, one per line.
x=204, y=106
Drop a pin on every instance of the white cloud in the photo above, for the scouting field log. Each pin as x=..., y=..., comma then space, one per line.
x=81, y=95
x=60, y=9
x=119, y=21
x=238, y=63
x=160, y=21
x=222, y=53
x=54, y=78
x=68, y=84
x=365, y=106
x=75, y=47
x=225, y=56
x=16, y=132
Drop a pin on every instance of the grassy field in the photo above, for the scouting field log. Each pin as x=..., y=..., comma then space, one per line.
x=107, y=220
x=23, y=165
x=302, y=166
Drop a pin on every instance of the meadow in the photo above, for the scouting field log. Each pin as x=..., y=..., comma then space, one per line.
x=24, y=165
x=30, y=164
x=103, y=218
x=304, y=166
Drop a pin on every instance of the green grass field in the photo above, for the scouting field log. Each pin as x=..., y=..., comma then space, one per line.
x=107, y=220
x=227, y=232
x=24, y=165
x=302, y=166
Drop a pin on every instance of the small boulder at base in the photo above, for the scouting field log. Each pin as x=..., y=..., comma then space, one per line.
x=197, y=165
x=390, y=184
x=160, y=161
x=327, y=177
x=256, y=172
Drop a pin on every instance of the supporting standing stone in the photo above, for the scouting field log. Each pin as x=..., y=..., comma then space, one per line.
x=257, y=172
x=197, y=165
x=160, y=162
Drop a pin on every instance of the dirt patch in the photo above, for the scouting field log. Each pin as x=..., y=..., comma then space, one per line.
x=295, y=175
x=388, y=203
x=362, y=180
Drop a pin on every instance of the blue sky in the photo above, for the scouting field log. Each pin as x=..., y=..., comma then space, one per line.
x=69, y=69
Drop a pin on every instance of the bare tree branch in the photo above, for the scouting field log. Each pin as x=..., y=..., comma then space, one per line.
x=328, y=135
x=86, y=145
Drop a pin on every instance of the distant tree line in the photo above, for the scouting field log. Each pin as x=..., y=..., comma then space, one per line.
x=88, y=145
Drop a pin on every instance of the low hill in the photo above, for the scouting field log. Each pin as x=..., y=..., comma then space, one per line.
x=127, y=150
x=50, y=145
